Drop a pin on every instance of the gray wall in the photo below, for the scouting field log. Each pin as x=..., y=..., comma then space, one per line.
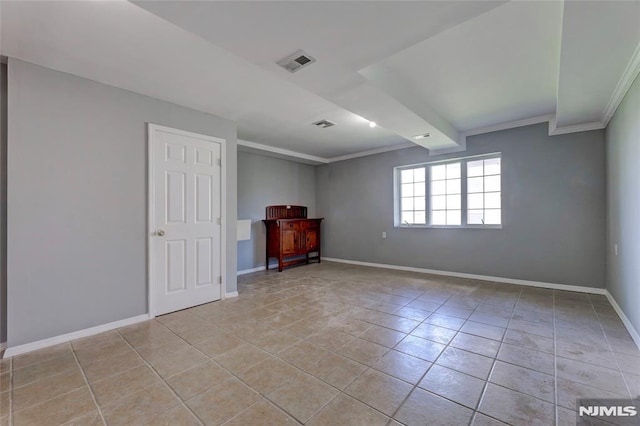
x=623, y=192
x=264, y=181
x=77, y=196
x=553, y=211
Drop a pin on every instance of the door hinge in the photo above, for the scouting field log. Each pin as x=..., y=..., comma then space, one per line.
x=220, y=279
x=219, y=221
x=219, y=162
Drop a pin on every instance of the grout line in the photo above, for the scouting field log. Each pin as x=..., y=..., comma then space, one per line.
x=161, y=379
x=448, y=344
x=292, y=365
x=56, y=395
x=419, y=323
x=11, y=391
x=493, y=364
x=512, y=310
x=233, y=374
x=84, y=377
x=53, y=397
x=379, y=293
x=615, y=358
x=257, y=402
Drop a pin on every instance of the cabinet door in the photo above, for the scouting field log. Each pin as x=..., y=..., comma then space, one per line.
x=289, y=243
x=311, y=239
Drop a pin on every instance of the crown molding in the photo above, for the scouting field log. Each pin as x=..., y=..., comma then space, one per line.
x=554, y=130
x=461, y=147
x=315, y=160
x=507, y=125
x=624, y=84
x=283, y=153
x=462, y=144
x=372, y=152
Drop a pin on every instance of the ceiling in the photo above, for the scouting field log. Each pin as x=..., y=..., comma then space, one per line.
x=442, y=67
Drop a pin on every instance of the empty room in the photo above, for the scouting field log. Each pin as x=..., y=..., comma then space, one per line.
x=319, y=212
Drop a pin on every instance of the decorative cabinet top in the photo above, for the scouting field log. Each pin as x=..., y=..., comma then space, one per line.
x=286, y=212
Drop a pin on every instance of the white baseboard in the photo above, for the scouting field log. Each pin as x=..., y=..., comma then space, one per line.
x=258, y=269
x=63, y=338
x=231, y=294
x=516, y=281
x=630, y=328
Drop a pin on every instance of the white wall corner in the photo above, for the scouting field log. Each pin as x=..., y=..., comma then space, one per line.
x=628, y=325
x=257, y=269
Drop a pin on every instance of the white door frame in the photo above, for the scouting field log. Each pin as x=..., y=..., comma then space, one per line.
x=151, y=225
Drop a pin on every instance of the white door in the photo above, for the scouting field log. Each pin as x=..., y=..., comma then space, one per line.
x=185, y=219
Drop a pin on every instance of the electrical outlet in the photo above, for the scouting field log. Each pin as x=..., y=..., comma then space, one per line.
x=384, y=235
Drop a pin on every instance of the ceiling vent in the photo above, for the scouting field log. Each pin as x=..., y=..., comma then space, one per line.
x=422, y=136
x=296, y=62
x=323, y=124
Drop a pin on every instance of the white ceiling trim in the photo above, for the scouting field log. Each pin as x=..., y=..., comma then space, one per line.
x=282, y=152
x=551, y=119
x=315, y=160
x=462, y=143
x=623, y=86
x=584, y=127
x=508, y=125
x=372, y=152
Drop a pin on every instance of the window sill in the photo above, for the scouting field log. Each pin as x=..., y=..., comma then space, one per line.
x=449, y=226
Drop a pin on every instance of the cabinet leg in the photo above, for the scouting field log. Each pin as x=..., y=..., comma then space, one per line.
x=280, y=264
x=266, y=263
x=307, y=258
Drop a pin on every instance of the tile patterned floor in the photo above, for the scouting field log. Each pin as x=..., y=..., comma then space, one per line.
x=335, y=344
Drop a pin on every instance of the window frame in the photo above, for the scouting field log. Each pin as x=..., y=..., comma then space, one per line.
x=464, y=195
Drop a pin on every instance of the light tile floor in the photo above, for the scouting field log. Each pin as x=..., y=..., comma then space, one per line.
x=334, y=344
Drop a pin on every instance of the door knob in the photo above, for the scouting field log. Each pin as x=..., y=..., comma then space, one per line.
x=160, y=233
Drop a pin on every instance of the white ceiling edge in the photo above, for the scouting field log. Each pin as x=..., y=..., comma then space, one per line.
x=624, y=84
x=551, y=119
x=271, y=151
x=299, y=157
x=583, y=127
x=627, y=78
x=508, y=125
x=373, y=152
x=314, y=160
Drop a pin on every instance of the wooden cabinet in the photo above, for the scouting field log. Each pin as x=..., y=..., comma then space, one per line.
x=292, y=238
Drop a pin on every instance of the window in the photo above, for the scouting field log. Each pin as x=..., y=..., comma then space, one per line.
x=464, y=192
x=483, y=192
x=412, y=191
x=446, y=190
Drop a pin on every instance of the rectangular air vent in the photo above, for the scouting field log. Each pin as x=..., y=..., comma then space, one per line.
x=324, y=124
x=296, y=61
